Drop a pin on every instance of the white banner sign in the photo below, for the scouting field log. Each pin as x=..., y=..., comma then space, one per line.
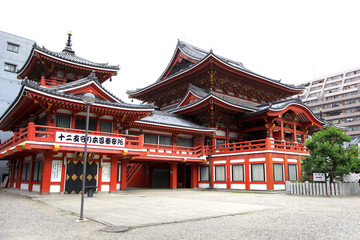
x=56, y=170
x=97, y=140
x=319, y=177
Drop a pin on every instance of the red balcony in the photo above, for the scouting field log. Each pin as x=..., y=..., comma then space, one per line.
x=46, y=134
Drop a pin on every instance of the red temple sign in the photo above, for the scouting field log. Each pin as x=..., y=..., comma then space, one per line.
x=95, y=140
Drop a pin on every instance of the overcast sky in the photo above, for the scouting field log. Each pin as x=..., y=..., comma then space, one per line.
x=294, y=41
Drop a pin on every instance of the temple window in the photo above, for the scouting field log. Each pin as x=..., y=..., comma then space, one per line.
x=10, y=67
x=155, y=139
x=13, y=47
x=25, y=175
x=257, y=172
x=37, y=171
x=204, y=173
x=278, y=172
x=63, y=121
x=292, y=172
x=80, y=123
x=238, y=172
x=184, y=142
x=106, y=126
x=60, y=74
x=220, y=173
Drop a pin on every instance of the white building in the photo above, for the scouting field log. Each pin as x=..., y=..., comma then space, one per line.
x=337, y=96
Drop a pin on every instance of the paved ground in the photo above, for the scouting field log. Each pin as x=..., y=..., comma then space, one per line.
x=199, y=215
x=150, y=207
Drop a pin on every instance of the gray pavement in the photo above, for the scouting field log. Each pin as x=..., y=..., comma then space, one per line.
x=145, y=207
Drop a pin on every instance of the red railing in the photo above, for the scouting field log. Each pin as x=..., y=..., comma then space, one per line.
x=47, y=134
x=41, y=133
x=156, y=149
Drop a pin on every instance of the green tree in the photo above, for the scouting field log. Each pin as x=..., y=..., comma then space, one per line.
x=328, y=154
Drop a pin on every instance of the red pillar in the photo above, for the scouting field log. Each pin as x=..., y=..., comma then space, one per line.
x=194, y=176
x=247, y=172
x=228, y=175
x=286, y=168
x=173, y=175
x=19, y=173
x=113, y=174
x=123, y=174
x=11, y=181
x=269, y=171
x=31, y=178
x=46, y=173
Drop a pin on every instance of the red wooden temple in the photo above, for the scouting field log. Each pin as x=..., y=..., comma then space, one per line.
x=207, y=122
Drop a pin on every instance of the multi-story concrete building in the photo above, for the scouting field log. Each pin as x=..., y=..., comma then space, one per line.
x=337, y=98
x=14, y=51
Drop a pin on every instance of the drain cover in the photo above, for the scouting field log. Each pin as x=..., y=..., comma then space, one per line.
x=115, y=229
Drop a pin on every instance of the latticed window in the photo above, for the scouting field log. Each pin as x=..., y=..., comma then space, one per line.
x=278, y=172
x=257, y=172
x=220, y=173
x=238, y=172
x=293, y=176
x=63, y=121
x=37, y=171
x=25, y=174
x=204, y=173
x=106, y=126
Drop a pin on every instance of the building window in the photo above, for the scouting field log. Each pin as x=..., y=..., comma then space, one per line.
x=257, y=172
x=184, y=142
x=204, y=173
x=220, y=173
x=106, y=126
x=10, y=67
x=80, y=123
x=238, y=173
x=37, y=171
x=152, y=139
x=119, y=173
x=25, y=175
x=293, y=172
x=63, y=121
x=13, y=47
x=164, y=140
x=278, y=172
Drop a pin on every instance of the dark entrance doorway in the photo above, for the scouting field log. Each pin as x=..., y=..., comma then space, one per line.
x=74, y=176
x=160, y=178
x=184, y=176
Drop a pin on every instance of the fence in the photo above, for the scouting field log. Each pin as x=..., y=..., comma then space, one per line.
x=327, y=189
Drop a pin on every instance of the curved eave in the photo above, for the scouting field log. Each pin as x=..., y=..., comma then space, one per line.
x=8, y=114
x=185, y=98
x=299, y=108
x=96, y=104
x=67, y=62
x=96, y=85
x=206, y=101
x=172, y=78
x=171, y=128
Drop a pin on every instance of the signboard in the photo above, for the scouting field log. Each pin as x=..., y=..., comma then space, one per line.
x=56, y=170
x=106, y=168
x=94, y=140
x=319, y=177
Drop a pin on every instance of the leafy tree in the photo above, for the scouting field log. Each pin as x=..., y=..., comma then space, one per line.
x=328, y=154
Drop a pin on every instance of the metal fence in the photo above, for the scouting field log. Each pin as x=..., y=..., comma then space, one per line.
x=327, y=189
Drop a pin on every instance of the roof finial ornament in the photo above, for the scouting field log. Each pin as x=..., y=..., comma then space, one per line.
x=69, y=44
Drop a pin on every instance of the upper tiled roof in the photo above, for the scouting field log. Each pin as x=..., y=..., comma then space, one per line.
x=69, y=55
x=56, y=91
x=200, y=54
x=170, y=119
x=203, y=93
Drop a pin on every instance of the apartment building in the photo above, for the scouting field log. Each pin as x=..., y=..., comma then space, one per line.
x=337, y=97
x=14, y=51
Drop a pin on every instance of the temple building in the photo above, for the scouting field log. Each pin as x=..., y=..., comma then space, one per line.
x=207, y=122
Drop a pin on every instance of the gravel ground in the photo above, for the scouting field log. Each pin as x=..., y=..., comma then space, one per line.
x=295, y=217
